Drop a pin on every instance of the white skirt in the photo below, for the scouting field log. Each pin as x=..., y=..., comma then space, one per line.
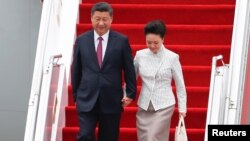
x=153, y=125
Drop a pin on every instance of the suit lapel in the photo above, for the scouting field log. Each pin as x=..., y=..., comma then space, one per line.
x=110, y=45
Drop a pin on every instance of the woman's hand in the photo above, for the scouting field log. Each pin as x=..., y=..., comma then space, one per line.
x=182, y=114
x=126, y=101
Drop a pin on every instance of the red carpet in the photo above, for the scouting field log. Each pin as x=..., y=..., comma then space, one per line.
x=197, y=31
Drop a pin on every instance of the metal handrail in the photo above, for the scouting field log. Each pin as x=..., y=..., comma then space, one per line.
x=44, y=96
x=217, y=94
x=35, y=101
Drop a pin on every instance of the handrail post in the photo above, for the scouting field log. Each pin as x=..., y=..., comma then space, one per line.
x=216, y=94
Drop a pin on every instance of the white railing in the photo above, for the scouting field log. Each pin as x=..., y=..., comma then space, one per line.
x=217, y=93
x=48, y=100
x=59, y=102
x=226, y=95
x=238, y=60
x=56, y=36
x=37, y=74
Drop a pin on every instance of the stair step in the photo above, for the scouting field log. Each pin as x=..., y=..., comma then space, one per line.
x=177, y=34
x=194, y=93
x=191, y=54
x=171, y=14
x=129, y=116
x=199, y=2
x=129, y=134
x=192, y=76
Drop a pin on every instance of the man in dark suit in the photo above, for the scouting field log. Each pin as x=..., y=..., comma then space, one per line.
x=101, y=57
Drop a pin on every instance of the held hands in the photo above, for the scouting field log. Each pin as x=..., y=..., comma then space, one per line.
x=183, y=114
x=126, y=101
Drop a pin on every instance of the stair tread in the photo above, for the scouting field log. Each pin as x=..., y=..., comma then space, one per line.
x=194, y=109
x=125, y=128
x=181, y=34
x=204, y=2
x=129, y=134
x=128, y=118
x=179, y=14
x=218, y=26
x=177, y=6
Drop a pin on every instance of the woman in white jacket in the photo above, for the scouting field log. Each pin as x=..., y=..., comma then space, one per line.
x=157, y=67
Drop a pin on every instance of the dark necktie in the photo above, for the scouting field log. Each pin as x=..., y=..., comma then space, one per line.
x=99, y=51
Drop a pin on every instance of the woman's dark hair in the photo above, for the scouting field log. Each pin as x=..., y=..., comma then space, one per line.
x=102, y=7
x=155, y=27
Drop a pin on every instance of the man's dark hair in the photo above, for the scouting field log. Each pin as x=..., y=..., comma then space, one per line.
x=155, y=27
x=102, y=7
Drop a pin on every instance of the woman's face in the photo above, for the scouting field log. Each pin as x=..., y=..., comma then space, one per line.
x=154, y=42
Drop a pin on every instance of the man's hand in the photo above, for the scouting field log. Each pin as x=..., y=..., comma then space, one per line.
x=182, y=114
x=126, y=101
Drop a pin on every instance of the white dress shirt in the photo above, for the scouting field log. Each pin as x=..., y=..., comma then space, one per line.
x=105, y=38
x=157, y=72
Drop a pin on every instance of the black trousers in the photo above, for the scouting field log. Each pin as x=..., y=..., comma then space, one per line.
x=108, y=125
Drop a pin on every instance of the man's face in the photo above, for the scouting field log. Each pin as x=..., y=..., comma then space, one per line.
x=101, y=22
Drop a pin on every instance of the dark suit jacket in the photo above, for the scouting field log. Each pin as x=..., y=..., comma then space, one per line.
x=89, y=81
